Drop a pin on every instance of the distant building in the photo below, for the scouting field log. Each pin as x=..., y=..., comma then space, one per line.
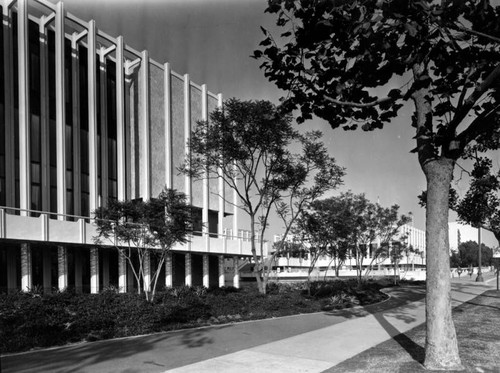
x=412, y=236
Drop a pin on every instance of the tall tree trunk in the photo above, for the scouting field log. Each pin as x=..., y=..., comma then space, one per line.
x=441, y=347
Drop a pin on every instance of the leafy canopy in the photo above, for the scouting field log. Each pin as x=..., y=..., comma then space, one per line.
x=343, y=61
x=162, y=221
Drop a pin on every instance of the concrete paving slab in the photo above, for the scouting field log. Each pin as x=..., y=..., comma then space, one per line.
x=321, y=349
x=249, y=361
x=326, y=347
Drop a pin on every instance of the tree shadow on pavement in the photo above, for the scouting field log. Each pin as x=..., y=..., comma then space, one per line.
x=416, y=351
x=133, y=354
x=401, y=305
x=79, y=357
x=193, y=338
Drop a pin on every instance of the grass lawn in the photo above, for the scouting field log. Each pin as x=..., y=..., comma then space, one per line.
x=477, y=323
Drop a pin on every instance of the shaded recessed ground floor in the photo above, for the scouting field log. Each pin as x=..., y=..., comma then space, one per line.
x=47, y=267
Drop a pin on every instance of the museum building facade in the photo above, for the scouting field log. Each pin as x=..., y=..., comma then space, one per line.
x=85, y=118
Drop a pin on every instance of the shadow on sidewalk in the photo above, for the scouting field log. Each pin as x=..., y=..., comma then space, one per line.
x=81, y=357
x=416, y=351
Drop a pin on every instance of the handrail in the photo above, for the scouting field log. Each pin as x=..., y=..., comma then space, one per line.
x=45, y=212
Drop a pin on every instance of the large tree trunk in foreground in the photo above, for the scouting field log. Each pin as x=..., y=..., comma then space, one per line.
x=441, y=347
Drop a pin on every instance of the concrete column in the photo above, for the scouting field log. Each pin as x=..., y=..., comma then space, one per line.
x=188, y=270
x=122, y=273
x=24, y=107
x=26, y=268
x=236, y=276
x=94, y=270
x=105, y=268
x=92, y=111
x=206, y=276
x=187, y=133
x=222, y=203
x=145, y=126
x=46, y=270
x=11, y=270
x=8, y=56
x=147, y=271
x=169, y=281
x=169, y=167
x=120, y=120
x=62, y=267
x=206, y=190
x=78, y=271
x=187, y=139
x=222, y=277
x=44, y=116
x=77, y=172
x=60, y=113
x=104, y=129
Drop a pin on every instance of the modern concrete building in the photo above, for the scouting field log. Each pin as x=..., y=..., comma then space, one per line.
x=85, y=118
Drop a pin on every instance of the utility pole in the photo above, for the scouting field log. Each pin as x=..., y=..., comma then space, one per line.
x=479, y=277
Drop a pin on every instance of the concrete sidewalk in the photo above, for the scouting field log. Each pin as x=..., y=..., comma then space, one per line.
x=324, y=348
x=301, y=343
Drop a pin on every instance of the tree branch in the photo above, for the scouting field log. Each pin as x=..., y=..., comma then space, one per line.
x=472, y=99
x=476, y=33
x=357, y=104
x=477, y=126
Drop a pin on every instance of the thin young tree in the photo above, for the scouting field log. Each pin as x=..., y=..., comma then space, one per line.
x=340, y=60
x=145, y=230
x=315, y=173
x=388, y=223
x=246, y=143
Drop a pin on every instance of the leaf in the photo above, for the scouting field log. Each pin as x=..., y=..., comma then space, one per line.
x=265, y=42
x=411, y=29
x=257, y=54
x=394, y=93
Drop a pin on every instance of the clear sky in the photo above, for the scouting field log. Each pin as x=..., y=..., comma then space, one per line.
x=212, y=41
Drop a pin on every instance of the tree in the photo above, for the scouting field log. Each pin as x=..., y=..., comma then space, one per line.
x=316, y=172
x=395, y=251
x=339, y=61
x=246, y=143
x=468, y=254
x=455, y=261
x=310, y=228
x=320, y=227
x=141, y=228
x=351, y=223
x=386, y=226
x=480, y=207
x=343, y=224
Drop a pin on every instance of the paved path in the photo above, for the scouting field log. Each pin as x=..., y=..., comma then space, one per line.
x=301, y=343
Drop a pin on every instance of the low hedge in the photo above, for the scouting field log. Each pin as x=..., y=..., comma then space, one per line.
x=30, y=321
